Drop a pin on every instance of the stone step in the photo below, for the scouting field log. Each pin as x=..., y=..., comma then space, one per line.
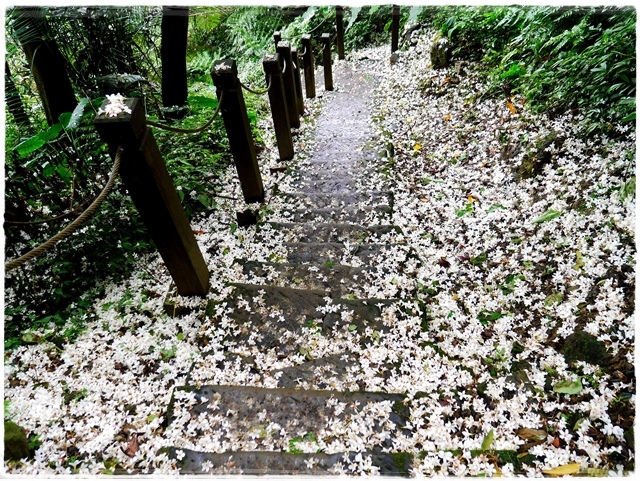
x=329, y=371
x=339, y=281
x=270, y=463
x=356, y=255
x=325, y=171
x=330, y=232
x=292, y=309
x=278, y=431
x=328, y=186
x=346, y=199
x=367, y=215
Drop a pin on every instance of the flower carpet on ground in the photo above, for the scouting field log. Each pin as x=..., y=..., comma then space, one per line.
x=512, y=343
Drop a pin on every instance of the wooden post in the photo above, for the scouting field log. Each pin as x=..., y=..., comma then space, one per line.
x=284, y=49
x=236, y=122
x=296, y=79
x=395, y=27
x=272, y=65
x=146, y=178
x=340, y=29
x=309, y=73
x=277, y=37
x=326, y=60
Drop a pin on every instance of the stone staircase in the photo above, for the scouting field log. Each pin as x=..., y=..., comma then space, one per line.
x=316, y=416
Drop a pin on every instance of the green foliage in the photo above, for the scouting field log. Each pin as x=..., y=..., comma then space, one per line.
x=372, y=26
x=558, y=58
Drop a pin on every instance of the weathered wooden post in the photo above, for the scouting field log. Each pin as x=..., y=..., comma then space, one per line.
x=309, y=74
x=284, y=49
x=277, y=37
x=340, y=29
x=146, y=178
x=326, y=60
x=395, y=27
x=234, y=113
x=272, y=65
x=296, y=79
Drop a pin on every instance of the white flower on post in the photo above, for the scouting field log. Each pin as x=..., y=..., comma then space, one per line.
x=115, y=106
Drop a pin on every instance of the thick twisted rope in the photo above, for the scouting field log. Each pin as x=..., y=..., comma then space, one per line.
x=9, y=266
x=189, y=131
x=257, y=92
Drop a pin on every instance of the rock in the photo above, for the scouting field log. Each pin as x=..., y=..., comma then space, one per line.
x=533, y=162
x=440, y=53
x=16, y=445
x=393, y=59
x=582, y=346
x=459, y=68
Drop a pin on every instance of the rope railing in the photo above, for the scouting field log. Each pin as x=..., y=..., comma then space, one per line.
x=257, y=92
x=189, y=131
x=37, y=251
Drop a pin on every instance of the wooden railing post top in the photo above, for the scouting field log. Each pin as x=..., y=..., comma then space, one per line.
x=326, y=37
x=294, y=50
x=272, y=63
x=124, y=128
x=283, y=44
x=306, y=37
x=225, y=73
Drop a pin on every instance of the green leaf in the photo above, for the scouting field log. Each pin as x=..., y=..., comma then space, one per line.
x=77, y=114
x=514, y=71
x=485, y=317
x=487, y=441
x=354, y=15
x=30, y=145
x=203, y=102
x=568, y=387
x=413, y=14
x=167, y=354
x=496, y=207
x=352, y=327
x=462, y=212
x=151, y=417
x=547, y=216
x=629, y=118
x=479, y=259
x=180, y=336
x=628, y=189
x=554, y=298
x=579, y=261
x=234, y=227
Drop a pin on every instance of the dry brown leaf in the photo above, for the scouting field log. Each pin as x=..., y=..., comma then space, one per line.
x=132, y=449
x=556, y=442
x=531, y=434
x=198, y=232
x=512, y=108
x=446, y=80
x=447, y=117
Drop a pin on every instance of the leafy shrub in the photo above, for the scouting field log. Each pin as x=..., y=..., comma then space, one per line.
x=558, y=58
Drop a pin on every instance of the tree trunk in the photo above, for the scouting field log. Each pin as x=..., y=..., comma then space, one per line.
x=13, y=100
x=47, y=64
x=173, y=50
